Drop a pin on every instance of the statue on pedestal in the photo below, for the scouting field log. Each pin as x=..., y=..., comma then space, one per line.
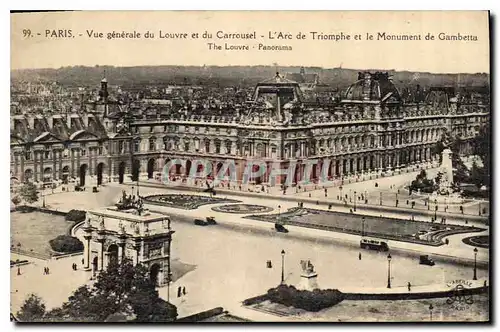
x=309, y=278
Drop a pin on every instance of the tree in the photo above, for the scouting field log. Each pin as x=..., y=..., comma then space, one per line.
x=32, y=310
x=478, y=175
x=16, y=200
x=120, y=289
x=29, y=193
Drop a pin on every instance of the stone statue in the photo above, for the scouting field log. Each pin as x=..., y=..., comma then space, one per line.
x=121, y=227
x=307, y=267
x=101, y=222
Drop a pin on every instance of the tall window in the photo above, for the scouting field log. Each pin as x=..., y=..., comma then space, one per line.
x=228, y=147
x=100, y=150
x=136, y=145
x=152, y=144
x=120, y=147
x=207, y=146
x=217, y=147
x=186, y=146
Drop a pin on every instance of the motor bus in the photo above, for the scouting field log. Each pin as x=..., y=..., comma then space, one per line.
x=373, y=244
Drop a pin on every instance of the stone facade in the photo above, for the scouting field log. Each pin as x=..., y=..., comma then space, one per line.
x=371, y=130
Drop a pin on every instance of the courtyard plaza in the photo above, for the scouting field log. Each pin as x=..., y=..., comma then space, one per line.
x=109, y=194
x=230, y=258
x=231, y=266
x=353, y=190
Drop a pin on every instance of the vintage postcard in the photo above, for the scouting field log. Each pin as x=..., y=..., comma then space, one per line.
x=250, y=166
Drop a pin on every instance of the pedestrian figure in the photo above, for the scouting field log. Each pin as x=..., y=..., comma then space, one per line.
x=179, y=290
x=18, y=271
x=83, y=261
x=359, y=256
x=48, y=271
x=409, y=287
x=183, y=290
x=447, y=241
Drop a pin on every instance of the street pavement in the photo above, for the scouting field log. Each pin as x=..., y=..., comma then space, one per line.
x=231, y=263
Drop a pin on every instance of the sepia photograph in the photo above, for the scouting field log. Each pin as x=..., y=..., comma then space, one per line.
x=250, y=166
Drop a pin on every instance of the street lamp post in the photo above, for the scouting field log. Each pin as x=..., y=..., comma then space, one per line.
x=282, y=267
x=380, y=198
x=475, y=264
x=354, y=201
x=363, y=227
x=431, y=307
x=389, y=271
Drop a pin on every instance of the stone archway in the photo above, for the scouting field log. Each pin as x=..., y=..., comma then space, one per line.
x=121, y=172
x=65, y=174
x=83, y=174
x=151, y=168
x=112, y=254
x=95, y=265
x=28, y=175
x=154, y=273
x=136, y=167
x=100, y=171
x=47, y=175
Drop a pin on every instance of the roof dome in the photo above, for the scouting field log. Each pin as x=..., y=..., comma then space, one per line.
x=373, y=87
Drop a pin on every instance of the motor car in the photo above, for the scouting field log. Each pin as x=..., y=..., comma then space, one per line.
x=434, y=228
x=211, y=221
x=425, y=260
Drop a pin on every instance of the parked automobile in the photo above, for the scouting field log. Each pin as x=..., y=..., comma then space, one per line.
x=211, y=221
x=425, y=260
x=78, y=188
x=280, y=228
x=434, y=228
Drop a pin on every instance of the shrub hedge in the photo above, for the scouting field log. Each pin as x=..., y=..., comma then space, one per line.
x=302, y=299
x=66, y=244
x=76, y=215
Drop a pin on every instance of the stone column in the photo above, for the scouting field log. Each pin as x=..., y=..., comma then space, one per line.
x=90, y=168
x=121, y=253
x=60, y=163
x=54, y=165
x=15, y=156
x=72, y=152
x=77, y=151
x=86, y=252
x=42, y=156
x=102, y=256
x=21, y=175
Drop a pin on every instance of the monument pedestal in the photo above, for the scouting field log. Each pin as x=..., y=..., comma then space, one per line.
x=308, y=281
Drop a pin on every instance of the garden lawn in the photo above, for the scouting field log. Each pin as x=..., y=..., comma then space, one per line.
x=33, y=230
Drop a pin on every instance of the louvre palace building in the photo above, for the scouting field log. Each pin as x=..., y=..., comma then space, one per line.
x=369, y=130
